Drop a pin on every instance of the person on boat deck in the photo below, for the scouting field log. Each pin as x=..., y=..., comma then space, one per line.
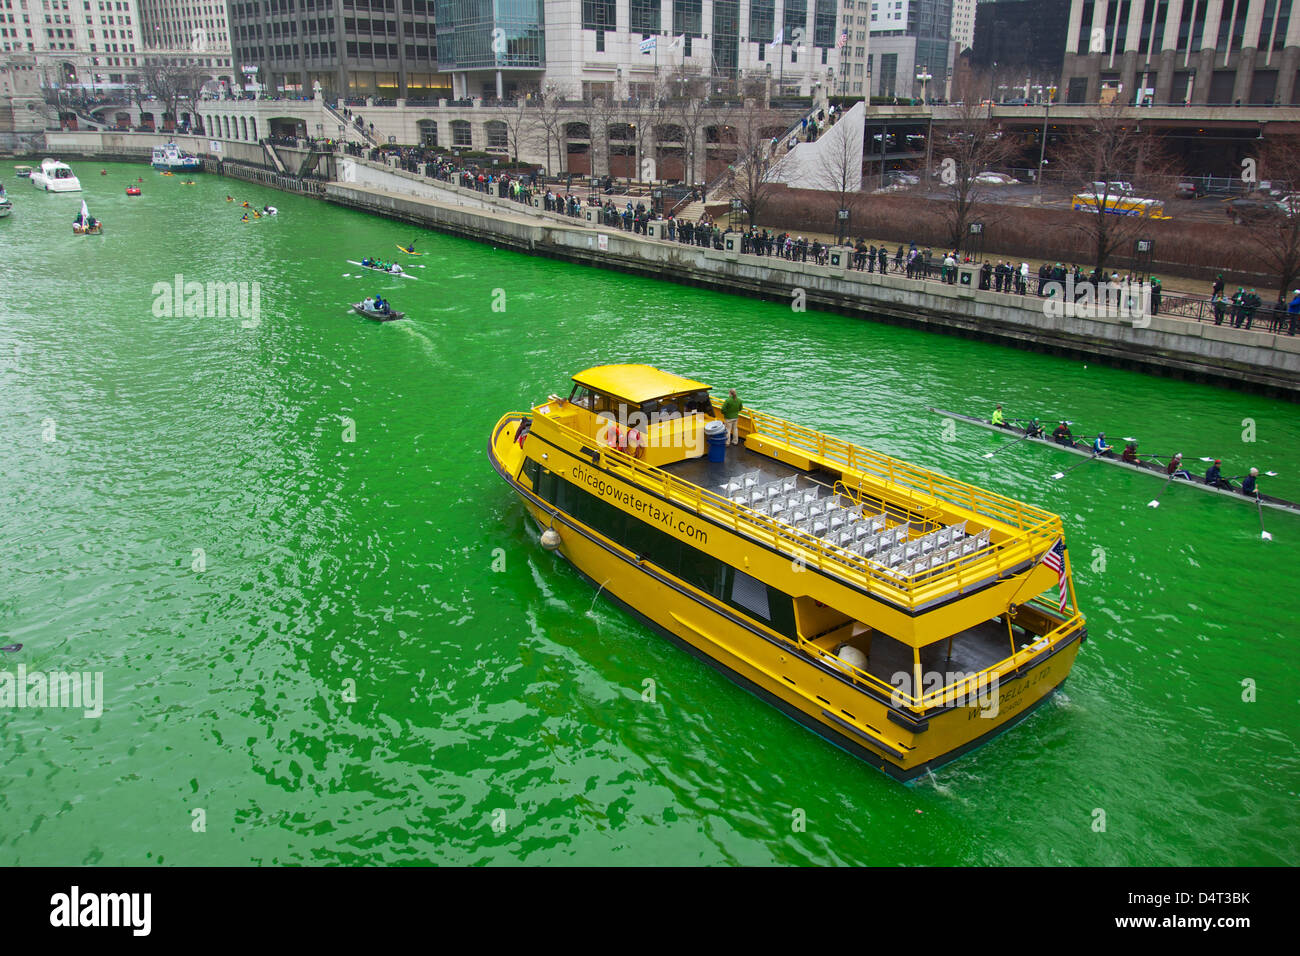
x=731, y=415
x=381, y=305
x=1213, y=474
x=1033, y=429
x=1249, y=483
x=1130, y=454
x=1099, y=447
x=1175, y=468
x=368, y=304
x=998, y=418
x=1062, y=435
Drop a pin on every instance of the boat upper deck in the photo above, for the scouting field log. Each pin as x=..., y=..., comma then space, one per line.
x=908, y=534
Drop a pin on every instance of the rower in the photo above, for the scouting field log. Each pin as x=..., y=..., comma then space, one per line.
x=365, y=262
x=1130, y=454
x=1061, y=435
x=1033, y=429
x=1099, y=447
x=1175, y=468
x=997, y=417
x=1250, y=482
x=1212, y=474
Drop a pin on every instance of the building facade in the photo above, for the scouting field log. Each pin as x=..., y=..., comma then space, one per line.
x=1020, y=44
x=187, y=31
x=1197, y=52
x=98, y=46
x=381, y=48
x=898, y=48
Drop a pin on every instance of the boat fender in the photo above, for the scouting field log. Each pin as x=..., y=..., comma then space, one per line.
x=550, y=539
x=852, y=656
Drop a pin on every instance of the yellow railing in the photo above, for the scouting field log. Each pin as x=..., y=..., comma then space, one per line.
x=972, y=687
x=1030, y=534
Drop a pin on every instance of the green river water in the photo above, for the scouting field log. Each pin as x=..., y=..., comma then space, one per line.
x=493, y=680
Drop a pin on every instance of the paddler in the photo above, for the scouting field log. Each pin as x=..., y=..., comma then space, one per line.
x=1249, y=484
x=244, y=218
x=1213, y=474
x=998, y=418
x=230, y=199
x=1099, y=447
x=1175, y=468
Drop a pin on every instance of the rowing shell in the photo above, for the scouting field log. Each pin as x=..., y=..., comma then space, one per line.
x=1146, y=468
x=397, y=275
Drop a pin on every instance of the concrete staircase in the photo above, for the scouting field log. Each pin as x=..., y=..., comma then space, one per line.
x=691, y=212
x=274, y=157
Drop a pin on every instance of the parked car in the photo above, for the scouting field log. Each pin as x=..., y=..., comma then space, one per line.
x=899, y=178
x=994, y=179
x=1189, y=190
x=1250, y=210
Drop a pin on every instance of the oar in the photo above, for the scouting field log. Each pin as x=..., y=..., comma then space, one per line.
x=1259, y=506
x=1155, y=502
x=1008, y=445
x=1062, y=474
x=11, y=648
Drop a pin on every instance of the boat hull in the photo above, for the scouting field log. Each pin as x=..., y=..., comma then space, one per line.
x=182, y=166
x=5, y=209
x=51, y=185
x=857, y=719
x=378, y=316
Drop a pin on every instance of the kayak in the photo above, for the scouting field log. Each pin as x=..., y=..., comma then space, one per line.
x=133, y=190
x=1151, y=468
x=377, y=316
x=400, y=275
x=409, y=252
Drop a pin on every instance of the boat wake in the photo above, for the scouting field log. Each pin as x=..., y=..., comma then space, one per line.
x=426, y=343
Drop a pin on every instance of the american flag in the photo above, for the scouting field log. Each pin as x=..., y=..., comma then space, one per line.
x=1055, y=559
x=844, y=38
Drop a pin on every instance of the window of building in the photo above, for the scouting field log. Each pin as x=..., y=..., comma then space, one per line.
x=599, y=15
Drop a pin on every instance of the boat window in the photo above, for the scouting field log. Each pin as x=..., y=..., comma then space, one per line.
x=531, y=470
x=751, y=594
x=763, y=602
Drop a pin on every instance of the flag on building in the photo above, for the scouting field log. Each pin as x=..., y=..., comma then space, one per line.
x=780, y=38
x=844, y=38
x=648, y=46
x=1055, y=559
x=676, y=44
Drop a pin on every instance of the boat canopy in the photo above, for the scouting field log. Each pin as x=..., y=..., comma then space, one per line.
x=636, y=384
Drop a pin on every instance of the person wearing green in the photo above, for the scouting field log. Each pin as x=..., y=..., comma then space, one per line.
x=997, y=417
x=731, y=414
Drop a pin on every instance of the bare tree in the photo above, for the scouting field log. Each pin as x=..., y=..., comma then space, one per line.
x=169, y=80
x=839, y=172
x=521, y=121
x=551, y=115
x=747, y=134
x=688, y=93
x=1272, y=229
x=1115, y=166
x=598, y=113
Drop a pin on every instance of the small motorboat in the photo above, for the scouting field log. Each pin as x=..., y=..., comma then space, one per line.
x=6, y=205
x=24, y=172
x=85, y=224
x=270, y=211
x=133, y=190
x=376, y=316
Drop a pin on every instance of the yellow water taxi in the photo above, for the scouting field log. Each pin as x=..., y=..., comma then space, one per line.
x=903, y=615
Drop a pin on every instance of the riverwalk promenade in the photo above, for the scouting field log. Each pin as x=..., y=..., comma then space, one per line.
x=1174, y=345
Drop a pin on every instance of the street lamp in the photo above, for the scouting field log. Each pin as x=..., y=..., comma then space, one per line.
x=924, y=77
x=1042, y=150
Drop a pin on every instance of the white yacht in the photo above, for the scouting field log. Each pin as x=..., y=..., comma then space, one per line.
x=55, y=177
